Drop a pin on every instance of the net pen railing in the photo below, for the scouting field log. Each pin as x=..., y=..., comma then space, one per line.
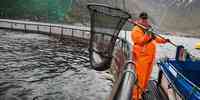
x=48, y=28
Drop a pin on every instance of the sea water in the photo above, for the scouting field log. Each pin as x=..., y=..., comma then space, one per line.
x=39, y=67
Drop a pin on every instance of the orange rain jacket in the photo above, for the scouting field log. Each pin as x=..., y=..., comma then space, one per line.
x=143, y=56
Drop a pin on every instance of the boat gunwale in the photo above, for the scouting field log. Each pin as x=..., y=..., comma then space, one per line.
x=171, y=82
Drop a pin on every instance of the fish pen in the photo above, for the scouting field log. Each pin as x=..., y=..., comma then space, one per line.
x=65, y=45
x=54, y=52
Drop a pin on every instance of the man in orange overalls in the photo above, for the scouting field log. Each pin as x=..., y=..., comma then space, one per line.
x=143, y=53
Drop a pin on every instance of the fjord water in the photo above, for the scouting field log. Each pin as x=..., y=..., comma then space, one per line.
x=38, y=67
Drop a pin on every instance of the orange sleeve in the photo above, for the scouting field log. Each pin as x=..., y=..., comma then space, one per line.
x=138, y=36
x=160, y=40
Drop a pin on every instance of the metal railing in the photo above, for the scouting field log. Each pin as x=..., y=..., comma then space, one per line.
x=51, y=29
x=124, y=84
x=125, y=77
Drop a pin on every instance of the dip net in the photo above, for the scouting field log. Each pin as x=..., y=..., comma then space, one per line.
x=106, y=23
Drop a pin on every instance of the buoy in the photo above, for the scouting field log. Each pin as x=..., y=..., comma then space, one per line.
x=197, y=46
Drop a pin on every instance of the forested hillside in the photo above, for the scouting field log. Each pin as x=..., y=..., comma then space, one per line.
x=35, y=10
x=168, y=15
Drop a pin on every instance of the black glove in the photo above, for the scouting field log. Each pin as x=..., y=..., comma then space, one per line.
x=153, y=36
x=167, y=40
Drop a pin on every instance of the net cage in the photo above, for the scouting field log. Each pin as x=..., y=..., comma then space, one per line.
x=106, y=23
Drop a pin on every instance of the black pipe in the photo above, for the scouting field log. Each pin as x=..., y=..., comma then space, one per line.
x=160, y=75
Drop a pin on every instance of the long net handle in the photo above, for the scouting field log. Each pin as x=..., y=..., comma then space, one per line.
x=156, y=34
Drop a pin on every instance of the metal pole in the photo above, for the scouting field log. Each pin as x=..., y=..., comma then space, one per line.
x=126, y=83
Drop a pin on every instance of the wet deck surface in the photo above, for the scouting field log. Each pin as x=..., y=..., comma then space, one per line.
x=154, y=92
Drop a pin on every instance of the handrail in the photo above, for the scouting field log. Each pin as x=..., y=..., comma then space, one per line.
x=125, y=84
x=122, y=89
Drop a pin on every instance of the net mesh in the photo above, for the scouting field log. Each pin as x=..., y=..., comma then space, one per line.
x=106, y=23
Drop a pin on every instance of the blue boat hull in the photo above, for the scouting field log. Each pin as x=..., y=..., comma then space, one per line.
x=183, y=77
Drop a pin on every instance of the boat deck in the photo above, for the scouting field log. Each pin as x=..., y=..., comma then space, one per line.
x=154, y=92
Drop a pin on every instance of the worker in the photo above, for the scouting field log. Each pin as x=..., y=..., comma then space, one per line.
x=143, y=52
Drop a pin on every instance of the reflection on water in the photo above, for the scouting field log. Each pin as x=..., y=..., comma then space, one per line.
x=36, y=67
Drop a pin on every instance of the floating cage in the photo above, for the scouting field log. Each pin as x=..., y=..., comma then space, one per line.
x=106, y=23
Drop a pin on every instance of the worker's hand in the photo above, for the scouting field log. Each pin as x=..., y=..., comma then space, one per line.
x=149, y=31
x=153, y=36
x=167, y=40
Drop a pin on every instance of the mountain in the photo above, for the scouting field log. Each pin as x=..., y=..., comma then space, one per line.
x=171, y=15
x=181, y=16
x=166, y=15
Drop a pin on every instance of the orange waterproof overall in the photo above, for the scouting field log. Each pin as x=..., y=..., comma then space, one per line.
x=143, y=55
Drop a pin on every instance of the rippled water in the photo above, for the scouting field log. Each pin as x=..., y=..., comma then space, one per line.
x=37, y=67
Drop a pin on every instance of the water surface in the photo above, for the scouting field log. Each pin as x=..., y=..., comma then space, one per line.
x=38, y=67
